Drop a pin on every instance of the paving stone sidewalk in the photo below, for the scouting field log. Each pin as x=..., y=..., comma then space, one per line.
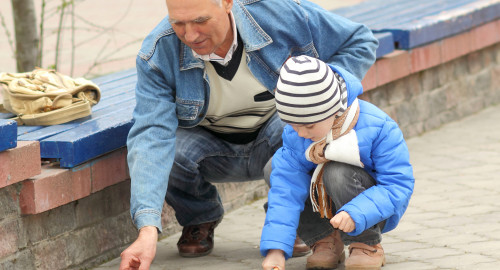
x=453, y=221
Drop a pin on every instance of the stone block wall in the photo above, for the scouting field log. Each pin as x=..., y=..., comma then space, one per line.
x=91, y=228
x=46, y=222
x=429, y=98
x=78, y=218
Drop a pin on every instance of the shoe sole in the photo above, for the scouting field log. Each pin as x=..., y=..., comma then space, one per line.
x=300, y=254
x=316, y=266
x=194, y=255
x=361, y=267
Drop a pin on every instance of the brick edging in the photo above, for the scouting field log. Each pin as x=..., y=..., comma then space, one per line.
x=399, y=63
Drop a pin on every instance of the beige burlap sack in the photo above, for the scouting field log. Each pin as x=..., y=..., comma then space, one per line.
x=47, y=97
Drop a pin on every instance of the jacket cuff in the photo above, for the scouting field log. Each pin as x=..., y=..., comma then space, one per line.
x=148, y=217
x=265, y=246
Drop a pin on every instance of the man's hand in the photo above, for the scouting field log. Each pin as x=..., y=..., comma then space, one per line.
x=343, y=222
x=141, y=253
x=275, y=260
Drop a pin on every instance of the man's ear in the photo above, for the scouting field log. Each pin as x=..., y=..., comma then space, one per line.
x=228, y=5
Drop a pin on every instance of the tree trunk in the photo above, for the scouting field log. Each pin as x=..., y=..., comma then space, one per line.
x=26, y=34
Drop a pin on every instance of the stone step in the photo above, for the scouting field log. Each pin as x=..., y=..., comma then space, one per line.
x=19, y=163
x=56, y=186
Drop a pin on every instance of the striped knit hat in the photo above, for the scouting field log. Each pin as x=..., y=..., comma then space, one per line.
x=308, y=91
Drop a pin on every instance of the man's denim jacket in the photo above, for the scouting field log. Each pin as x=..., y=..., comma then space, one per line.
x=173, y=89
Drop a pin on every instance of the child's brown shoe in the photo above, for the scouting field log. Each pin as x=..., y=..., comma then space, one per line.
x=300, y=248
x=327, y=253
x=365, y=257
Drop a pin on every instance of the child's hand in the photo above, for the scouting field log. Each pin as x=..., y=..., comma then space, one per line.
x=343, y=222
x=275, y=260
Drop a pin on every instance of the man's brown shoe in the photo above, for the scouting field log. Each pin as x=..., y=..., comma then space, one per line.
x=327, y=253
x=197, y=240
x=365, y=257
x=300, y=248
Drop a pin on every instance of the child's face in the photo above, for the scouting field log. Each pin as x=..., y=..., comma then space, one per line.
x=316, y=131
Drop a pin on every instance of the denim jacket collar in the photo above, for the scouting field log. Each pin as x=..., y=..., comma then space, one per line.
x=254, y=36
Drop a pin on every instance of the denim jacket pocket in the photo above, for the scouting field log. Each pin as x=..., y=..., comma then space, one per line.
x=188, y=109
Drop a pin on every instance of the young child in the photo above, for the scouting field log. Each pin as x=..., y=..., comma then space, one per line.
x=351, y=160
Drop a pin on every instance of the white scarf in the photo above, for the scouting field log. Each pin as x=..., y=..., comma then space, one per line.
x=340, y=145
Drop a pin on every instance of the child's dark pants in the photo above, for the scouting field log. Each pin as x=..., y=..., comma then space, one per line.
x=342, y=182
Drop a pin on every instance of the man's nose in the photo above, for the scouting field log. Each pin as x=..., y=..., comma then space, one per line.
x=191, y=33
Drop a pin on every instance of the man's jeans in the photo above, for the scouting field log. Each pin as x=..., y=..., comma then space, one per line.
x=342, y=182
x=202, y=159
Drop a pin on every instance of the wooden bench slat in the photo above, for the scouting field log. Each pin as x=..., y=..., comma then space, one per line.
x=113, y=94
x=378, y=13
x=6, y=116
x=112, y=98
x=8, y=134
x=385, y=45
x=354, y=12
x=49, y=131
x=409, y=12
x=89, y=140
x=415, y=23
x=126, y=83
x=22, y=130
x=104, y=130
x=117, y=76
x=447, y=23
x=30, y=133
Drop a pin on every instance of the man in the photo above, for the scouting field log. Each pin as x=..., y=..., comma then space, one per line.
x=205, y=107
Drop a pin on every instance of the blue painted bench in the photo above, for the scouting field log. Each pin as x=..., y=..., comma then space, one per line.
x=414, y=23
x=8, y=134
x=385, y=44
x=401, y=24
x=105, y=130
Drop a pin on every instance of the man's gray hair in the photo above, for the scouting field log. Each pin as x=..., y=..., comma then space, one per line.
x=218, y=2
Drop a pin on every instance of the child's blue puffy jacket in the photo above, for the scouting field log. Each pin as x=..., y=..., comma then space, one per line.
x=385, y=156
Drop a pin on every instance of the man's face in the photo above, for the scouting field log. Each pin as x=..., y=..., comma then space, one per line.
x=202, y=25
